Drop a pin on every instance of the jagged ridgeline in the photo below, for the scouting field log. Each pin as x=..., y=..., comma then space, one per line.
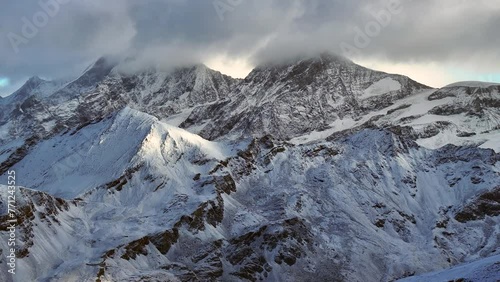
x=315, y=169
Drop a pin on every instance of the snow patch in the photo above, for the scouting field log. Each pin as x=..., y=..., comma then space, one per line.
x=338, y=125
x=380, y=87
x=4, y=130
x=487, y=269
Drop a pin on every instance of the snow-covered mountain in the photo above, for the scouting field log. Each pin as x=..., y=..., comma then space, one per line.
x=296, y=98
x=312, y=170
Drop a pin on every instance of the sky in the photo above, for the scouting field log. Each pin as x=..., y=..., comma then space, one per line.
x=435, y=42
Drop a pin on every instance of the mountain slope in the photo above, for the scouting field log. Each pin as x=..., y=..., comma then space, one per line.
x=453, y=115
x=156, y=172
x=69, y=164
x=99, y=92
x=486, y=270
x=321, y=170
x=161, y=94
x=291, y=99
x=34, y=87
x=86, y=82
x=185, y=207
x=424, y=118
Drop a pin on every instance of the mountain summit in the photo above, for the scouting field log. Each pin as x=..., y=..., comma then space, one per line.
x=302, y=96
x=314, y=169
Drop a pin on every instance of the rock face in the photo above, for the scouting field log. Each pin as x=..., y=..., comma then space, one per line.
x=487, y=204
x=318, y=170
x=471, y=100
x=158, y=93
x=289, y=100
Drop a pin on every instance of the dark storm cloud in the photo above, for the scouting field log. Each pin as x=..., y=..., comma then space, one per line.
x=176, y=32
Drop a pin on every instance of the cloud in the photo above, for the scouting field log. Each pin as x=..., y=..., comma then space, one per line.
x=449, y=33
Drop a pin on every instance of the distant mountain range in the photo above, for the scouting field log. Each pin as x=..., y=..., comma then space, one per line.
x=315, y=169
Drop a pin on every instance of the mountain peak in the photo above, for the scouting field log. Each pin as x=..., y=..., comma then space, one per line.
x=92, y=76
x=35, y=80
x=28, y=87
x=306, y=70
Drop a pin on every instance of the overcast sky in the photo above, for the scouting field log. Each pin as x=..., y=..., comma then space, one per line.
x=433, y=41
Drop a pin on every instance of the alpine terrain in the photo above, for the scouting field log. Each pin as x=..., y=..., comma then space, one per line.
x=313, y=169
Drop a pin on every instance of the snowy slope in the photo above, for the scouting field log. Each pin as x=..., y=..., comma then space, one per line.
x=112, y=208
x=380, y=87
x=34, y=86
x=434, y=118
x=98, y=93
x=321, y=170
x=159, y=93
x=70, y=164
x=484, y=270
x=294, y=98
x=358, y=205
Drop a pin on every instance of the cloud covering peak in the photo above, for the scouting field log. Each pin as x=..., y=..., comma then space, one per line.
x=54, y=38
